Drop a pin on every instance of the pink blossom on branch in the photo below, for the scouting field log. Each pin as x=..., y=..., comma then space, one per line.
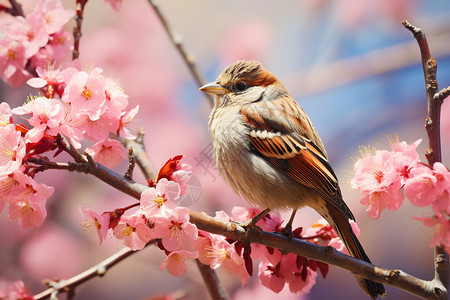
x=217, y=252
x=126, y=117
x=46, y=116
x=440, y=228
x=27, y=201
x=12, y=62
x=159, y=200
x=109, y=152
x=53, y=13
x=422, y=189
x=95, y=222
x=175, y=230
x=5, y=114
x=176, y=262
x=12, y=149
x=379, y=176
x=86, y=93
x=176, y=171
x=134, y=230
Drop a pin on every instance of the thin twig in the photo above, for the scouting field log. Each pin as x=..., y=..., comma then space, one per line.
x=131, y=164
x=215, y=289
x=64, y=145
x=140, y=155
x=176, y=39
x=77, y=29
x=432, y=122
x=16, y=8
x=435, y=99
x=98, y=270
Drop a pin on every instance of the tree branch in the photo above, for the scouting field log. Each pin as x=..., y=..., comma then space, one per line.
x=433, y=289
x=435, y=98
x=16, y=8
x=329, y=255
x=98, y=270
x=176, y=39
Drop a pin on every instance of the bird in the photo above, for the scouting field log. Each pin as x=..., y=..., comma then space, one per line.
x=269, y=152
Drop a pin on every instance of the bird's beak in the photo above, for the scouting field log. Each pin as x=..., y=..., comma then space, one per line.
x=214, y=89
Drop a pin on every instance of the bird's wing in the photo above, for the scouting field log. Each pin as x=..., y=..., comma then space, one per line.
x=287, y=143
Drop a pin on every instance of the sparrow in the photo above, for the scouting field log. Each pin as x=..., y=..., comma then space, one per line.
x=267, y=149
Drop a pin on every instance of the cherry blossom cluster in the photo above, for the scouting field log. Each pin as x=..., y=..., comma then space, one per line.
x=157, y=217
x=380, y=175
x=91, y=106
x=34, y=40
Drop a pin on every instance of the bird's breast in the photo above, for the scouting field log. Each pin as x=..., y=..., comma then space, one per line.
x=249, y=173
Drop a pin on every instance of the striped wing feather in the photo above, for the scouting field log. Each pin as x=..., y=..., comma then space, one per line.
x=286, y=145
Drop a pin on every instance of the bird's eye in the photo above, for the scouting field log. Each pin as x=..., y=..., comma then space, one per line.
x=241, y=86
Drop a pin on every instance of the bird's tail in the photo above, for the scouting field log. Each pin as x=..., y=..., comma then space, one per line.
x=341, y=224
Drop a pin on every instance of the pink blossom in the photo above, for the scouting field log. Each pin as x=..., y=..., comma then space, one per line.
x=422, y=189
x=95, y=222
x=175, y=230
x=58, y=49
x=175, y=262
x=215, y=251
x=440, y=226
x=372, y=173
x=403, y=147
x=86, y=93
x=47, y=76
x=292, y=269
x=404, y=158
x=181, y=176
x=117, y=100
x=159, y=200
x=12, y=62
x=46, y=116
x=379, y=182
x=298, y=285
x=298, y=275
x=12, y=149
x=71, y=126
x=270, y=276
x=389, y=198
x=325, y=235
x=270, y=222
x=109, y=152
x=134, y=230
x=442, y=203
x=125, y=119
x=100, y=128
x=29, y=31
x=7, y=184
x=27, y=201
x=5, y=114
x=53, y=13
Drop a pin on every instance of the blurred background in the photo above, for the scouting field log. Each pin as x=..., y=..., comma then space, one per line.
x=350, y=64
